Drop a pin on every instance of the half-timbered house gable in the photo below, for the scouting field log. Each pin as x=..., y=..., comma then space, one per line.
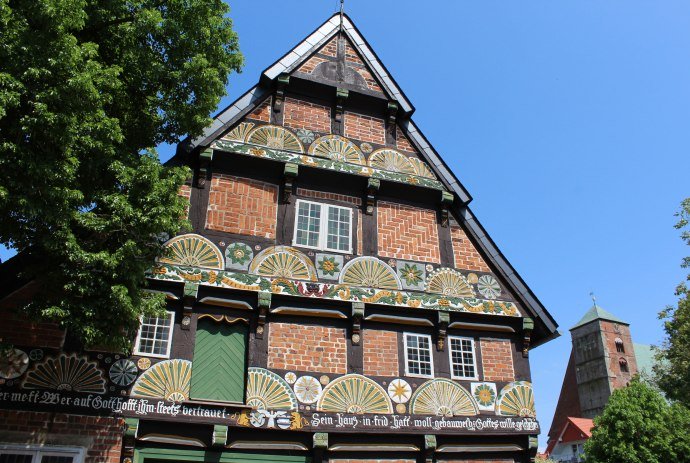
x=334, y=283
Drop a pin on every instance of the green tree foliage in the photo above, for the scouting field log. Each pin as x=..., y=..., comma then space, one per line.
x=543, y=460
x=639, y=426
x=87, y=87
x=673, y=361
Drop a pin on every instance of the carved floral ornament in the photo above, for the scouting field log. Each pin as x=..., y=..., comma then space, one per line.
x=287, y=270
x=276, y=142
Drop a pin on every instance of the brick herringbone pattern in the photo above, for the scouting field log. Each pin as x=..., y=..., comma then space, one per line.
x=241, y=205
x=406, y=232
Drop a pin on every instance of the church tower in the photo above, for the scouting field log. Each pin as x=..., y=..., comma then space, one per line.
x=603, y=356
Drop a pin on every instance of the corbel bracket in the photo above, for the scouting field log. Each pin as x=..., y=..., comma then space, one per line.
x=527, y=328
x=205, y=158
x=340, y=97
x=319, y=445
x=392, y=115
x=290, y=172
x=264, y=306
x=357, y=315
x=533, y=446
x=443, y=320
x=220, y=435
x=282, y=82
x=373, y=185
x=429, y=447
x=446, y=201
x=189, y=296
x=129, y=438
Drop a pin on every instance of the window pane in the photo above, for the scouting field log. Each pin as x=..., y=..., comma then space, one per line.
x=15, y=458
x=418, y=355
x=308, y=224
x=462, y=357
x=154, y=335
x=338, y=228
x=56, y=459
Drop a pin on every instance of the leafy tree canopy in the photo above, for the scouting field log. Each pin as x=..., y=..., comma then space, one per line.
x=639, y=426
x=673, y=366
x=87, y=87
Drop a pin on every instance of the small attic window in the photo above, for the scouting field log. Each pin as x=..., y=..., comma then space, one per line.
x=624, y=365
x=619, y=346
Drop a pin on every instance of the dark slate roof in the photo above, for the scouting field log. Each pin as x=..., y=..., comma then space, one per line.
x=597, y=313
x=544, y=331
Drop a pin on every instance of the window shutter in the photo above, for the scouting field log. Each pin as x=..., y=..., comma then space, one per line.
x=219, y=366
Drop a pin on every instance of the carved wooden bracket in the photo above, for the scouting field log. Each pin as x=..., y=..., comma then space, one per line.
x=220, y=435
x=429, y=447
x=357, y=315
x=319, y=445
x=205, y=158
x=264, y=306
x=446, y=201
x=533, y=447
x=282, y=82
x=129, y=438
x=373, y=185
x=340, y=97
x=443, y=320
x=189, y=296
x=392, y=116
x=290, y=172
x=527, y=328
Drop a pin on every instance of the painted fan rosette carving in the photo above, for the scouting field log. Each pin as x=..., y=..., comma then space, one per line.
x=442, y=397
x=276, y=137
x=516, y=399
x=192, y=251
x=268, y=391
x=169, y=380
x=66, y=373
x=354, y=394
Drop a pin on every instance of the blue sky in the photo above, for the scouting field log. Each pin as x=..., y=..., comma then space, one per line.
x=567, y=121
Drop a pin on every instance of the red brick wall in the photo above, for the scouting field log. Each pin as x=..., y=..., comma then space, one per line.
x=380, y=353
x=16, y=329
x=304, y=115
x=244, y=206
x=331, y=48
x=351, y=54
x=476, y=461
x=620, y=379
x=311, y=64
x=365, y=128
x=102, y=435
x=359, y=460
x=263, y=111
x=371, y=82
x=497, y=360
x=332, y=196
x=186, y=193
x=406, y=232
x=319, y=349
x=466, y=255
x=402, y=143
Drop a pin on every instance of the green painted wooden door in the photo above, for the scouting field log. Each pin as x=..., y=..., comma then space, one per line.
x=219, y=366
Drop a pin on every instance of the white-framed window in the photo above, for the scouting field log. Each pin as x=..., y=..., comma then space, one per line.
x=155, y=336
x=323, y=226
x=418, y=358
x=463, y=361
x=40, y=454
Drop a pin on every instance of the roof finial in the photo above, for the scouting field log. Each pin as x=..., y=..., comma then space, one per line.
x=594, y=299
x=342, y=6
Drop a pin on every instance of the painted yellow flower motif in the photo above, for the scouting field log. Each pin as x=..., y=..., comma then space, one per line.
x=412, y=180
x=212, y=277
x=415, y=303
x=257, y=151
x=443, y=302
x=160, y=270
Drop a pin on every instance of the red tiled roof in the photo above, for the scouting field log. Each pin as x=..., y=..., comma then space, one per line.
x=583, y=424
